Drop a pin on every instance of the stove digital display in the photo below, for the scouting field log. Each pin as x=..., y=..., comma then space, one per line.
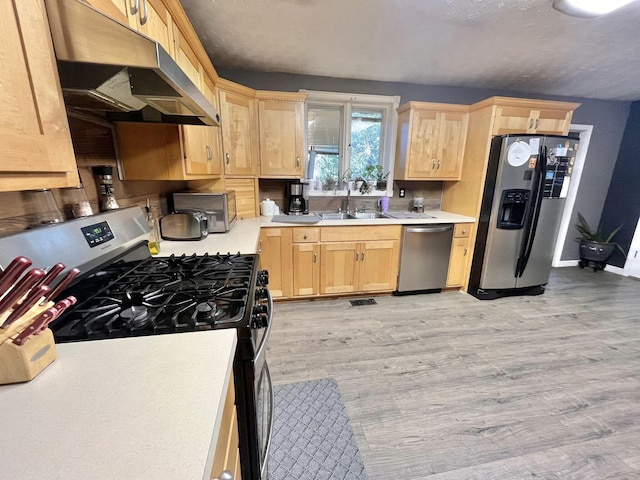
x=97, y=234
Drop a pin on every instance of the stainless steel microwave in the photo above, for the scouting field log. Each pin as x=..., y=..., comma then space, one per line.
x=219, y=207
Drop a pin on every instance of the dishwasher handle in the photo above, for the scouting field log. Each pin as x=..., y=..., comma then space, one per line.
x=429, y=229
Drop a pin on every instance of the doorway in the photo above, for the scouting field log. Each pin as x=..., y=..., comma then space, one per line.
x=584, y=131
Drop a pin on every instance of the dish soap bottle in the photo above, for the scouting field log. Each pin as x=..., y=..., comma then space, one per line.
x=154, y=234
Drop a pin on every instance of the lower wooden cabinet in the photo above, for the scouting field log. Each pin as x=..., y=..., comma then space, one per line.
x=459, y=254
x=227, y=454
x=274, y=248
x=306, y=269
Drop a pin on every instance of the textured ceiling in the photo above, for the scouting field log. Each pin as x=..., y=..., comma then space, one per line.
x=518, y=45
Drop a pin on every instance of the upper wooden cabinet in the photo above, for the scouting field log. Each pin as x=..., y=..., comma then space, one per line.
x=116, y=9
x=430, y=142
x=35, y=143
x=238, y=112
x=281, y=125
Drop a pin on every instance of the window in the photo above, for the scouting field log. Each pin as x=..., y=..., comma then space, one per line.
x=349, y=136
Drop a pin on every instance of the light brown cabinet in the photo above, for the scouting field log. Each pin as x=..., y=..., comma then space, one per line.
x=459, y=254
x=306, y=261
x=238, y=112
x=359, y=259
x=281, y=125
x=116, y=9
x=227, y=454
x=530, y=116
x=35, y=143
x=274, y=248
x=430, y=141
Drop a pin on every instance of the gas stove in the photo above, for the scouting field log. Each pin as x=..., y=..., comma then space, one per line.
x=158, y=295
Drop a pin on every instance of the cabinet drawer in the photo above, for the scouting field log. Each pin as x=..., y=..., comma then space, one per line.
x=356, y=234
x=462, y=230
x=306, y=235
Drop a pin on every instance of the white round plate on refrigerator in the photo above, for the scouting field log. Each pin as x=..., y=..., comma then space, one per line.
x=518, y=153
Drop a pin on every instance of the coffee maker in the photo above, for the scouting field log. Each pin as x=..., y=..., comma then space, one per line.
x=297, y=197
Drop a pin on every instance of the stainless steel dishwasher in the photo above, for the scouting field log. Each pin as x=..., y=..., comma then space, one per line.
x=424, y=259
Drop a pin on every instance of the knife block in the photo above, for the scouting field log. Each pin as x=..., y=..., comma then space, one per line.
x=23, y=363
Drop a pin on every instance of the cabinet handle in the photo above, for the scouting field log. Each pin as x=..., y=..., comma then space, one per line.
x=225, y=475
x=465, y=252
x=260, y=246
x=537, y=121
x=433, y=164
x=531, y=123
x=357, y=255
x=438, y=164
x=135, y=7
x=464, y=231
x=362, y=256
x=315, y=258
x=297, y=161
x=228, y=158
x=305, y=236
x=144, y=17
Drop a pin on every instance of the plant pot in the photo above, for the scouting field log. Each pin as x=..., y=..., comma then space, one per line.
x=381, y=185
x=595, y=251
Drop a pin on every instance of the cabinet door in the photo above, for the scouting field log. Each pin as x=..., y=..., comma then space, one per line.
x=116, y=9
x=275, y=257
x=213, y=134
x=306, y=269
x=153, y=19
x=338, y=262
x=35, y=143
x=238, y=114
x=378, y=265
x=423, y=144
x=281, y=126
x=510, y=119
x=458, y=262
x=553, y=122
x=194, y=137
x=452, y=128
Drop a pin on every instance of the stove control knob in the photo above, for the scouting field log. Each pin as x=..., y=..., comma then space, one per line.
x=258, y=309
x=261, y=293
x=263, y=278
x=259, y=320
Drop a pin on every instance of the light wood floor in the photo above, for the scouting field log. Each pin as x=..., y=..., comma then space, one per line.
x=444, y=386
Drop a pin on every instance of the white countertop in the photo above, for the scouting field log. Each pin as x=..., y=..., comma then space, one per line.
x=440, y=217
x=243, y=238
x=134, y=408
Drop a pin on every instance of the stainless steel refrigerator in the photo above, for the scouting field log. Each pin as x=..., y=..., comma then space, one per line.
x=524, y=196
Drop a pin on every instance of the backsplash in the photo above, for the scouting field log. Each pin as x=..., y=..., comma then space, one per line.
x=430, y=191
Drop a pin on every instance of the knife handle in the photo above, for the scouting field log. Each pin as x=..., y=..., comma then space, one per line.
x=62, y=284
x=53, y=272
x=32, y=277
x=20, y=309
x=43, y=319
x=12, y=272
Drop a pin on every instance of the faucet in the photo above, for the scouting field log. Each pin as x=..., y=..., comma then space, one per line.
x=348, y=210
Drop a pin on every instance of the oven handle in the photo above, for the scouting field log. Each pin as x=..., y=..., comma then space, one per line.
x=263, y=342
x=265, y=460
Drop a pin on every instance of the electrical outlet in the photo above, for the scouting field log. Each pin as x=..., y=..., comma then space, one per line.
x=401, y=193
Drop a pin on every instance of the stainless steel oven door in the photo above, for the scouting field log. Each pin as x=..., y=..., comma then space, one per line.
x=263, y=388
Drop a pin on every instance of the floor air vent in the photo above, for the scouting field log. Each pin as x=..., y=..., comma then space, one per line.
x=365, y=301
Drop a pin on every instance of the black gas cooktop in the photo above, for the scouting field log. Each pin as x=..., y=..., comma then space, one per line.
x=157, y=295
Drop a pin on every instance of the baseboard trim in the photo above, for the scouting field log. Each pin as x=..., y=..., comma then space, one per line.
x=567, y=263
x=616, y=270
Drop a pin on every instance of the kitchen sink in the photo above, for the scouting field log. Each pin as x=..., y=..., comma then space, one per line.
x=333, y=216
x=350, y=216
x=367, y=215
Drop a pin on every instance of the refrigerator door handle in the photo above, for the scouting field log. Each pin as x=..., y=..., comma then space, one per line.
x=527, y=245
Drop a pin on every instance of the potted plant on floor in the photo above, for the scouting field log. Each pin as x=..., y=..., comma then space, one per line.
x=596, y=246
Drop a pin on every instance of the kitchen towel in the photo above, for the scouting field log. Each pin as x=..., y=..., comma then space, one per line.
x=296, y=218
x=312, y=436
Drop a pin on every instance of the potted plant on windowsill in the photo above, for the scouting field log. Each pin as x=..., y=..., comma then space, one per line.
x=375, y=174
x=596, y=246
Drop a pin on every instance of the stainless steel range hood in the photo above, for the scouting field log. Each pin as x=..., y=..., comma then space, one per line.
x=105, y=66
